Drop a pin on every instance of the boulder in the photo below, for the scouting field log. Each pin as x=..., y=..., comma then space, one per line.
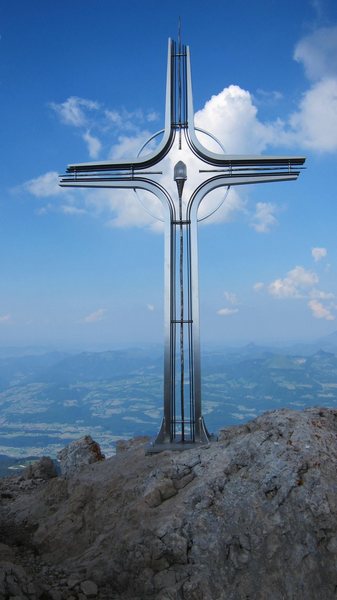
x=44, y=468
x=78, y=454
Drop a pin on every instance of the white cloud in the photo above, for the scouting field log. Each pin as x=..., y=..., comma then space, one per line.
x=150, y=307
x=126, y=120
x=315, y=123
x=319, y=311
x=69, y=209
x=227, y=312
x=47, y=186
x=95, y=316
x=122, y=208
x=152, y=116
x=269, y=97
x=296, y=282
x=258, y=286
x=73, y=110
x=320, y=295
x=232, y=117
x=318, y=53
x=44, y=186
x=299, y=283
x=264, y=219
x=318, y=253
x=232, y=205
x=231, y=298
x=129, y=146
x=94, y=144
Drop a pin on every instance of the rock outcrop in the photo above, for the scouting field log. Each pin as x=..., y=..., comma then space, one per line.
x=44, y=468
x=78, y=454
x=250, y=517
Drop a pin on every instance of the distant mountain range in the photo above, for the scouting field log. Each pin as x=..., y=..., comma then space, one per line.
x=47, y=399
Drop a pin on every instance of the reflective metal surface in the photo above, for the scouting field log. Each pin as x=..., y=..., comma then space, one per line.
x=191, y=172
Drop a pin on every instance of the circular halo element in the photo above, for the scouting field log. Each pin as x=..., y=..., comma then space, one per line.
x=227, y=189
x=215, y=139
x=136, y=191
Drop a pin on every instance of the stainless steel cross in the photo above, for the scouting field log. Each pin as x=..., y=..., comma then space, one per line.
x=186, y=172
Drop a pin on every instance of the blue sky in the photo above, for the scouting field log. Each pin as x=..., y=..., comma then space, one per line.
x=85, y=80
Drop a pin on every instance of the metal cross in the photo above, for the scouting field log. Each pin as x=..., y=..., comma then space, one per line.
x=186, y=172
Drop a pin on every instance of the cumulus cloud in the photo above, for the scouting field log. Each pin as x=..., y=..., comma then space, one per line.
x=319, y=311
x=315, y=123
x=300, y=283
x=227, y=312
x=73, y=111
x=232, y=117
x=264, y=218
x=294, y=285
x=318, y=253
x=95, y=316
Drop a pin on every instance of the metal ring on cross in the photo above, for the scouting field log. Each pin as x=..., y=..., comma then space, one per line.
x=215, y=139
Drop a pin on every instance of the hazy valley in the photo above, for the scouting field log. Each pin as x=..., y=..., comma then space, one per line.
x=50, y=398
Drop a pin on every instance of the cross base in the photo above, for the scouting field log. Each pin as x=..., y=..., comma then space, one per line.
x=164, y=442
x=178, y=446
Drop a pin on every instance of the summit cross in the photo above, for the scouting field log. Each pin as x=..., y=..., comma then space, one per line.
x=186, y=172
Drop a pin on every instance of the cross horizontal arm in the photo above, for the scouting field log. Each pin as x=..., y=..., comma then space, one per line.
x=129, y=179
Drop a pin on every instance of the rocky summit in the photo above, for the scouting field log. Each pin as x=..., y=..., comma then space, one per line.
x=252, y=516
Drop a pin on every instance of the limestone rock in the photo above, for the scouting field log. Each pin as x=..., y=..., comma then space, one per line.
x=78, y=454
x=253, y=515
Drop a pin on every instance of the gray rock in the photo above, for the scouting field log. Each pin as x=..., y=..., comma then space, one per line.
x=55, y=595
x=253, y=515
x=44, y=468
x=15, y=582
x=124, y=445
x=78, y=454
x=73, y=581
x=89, y=588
